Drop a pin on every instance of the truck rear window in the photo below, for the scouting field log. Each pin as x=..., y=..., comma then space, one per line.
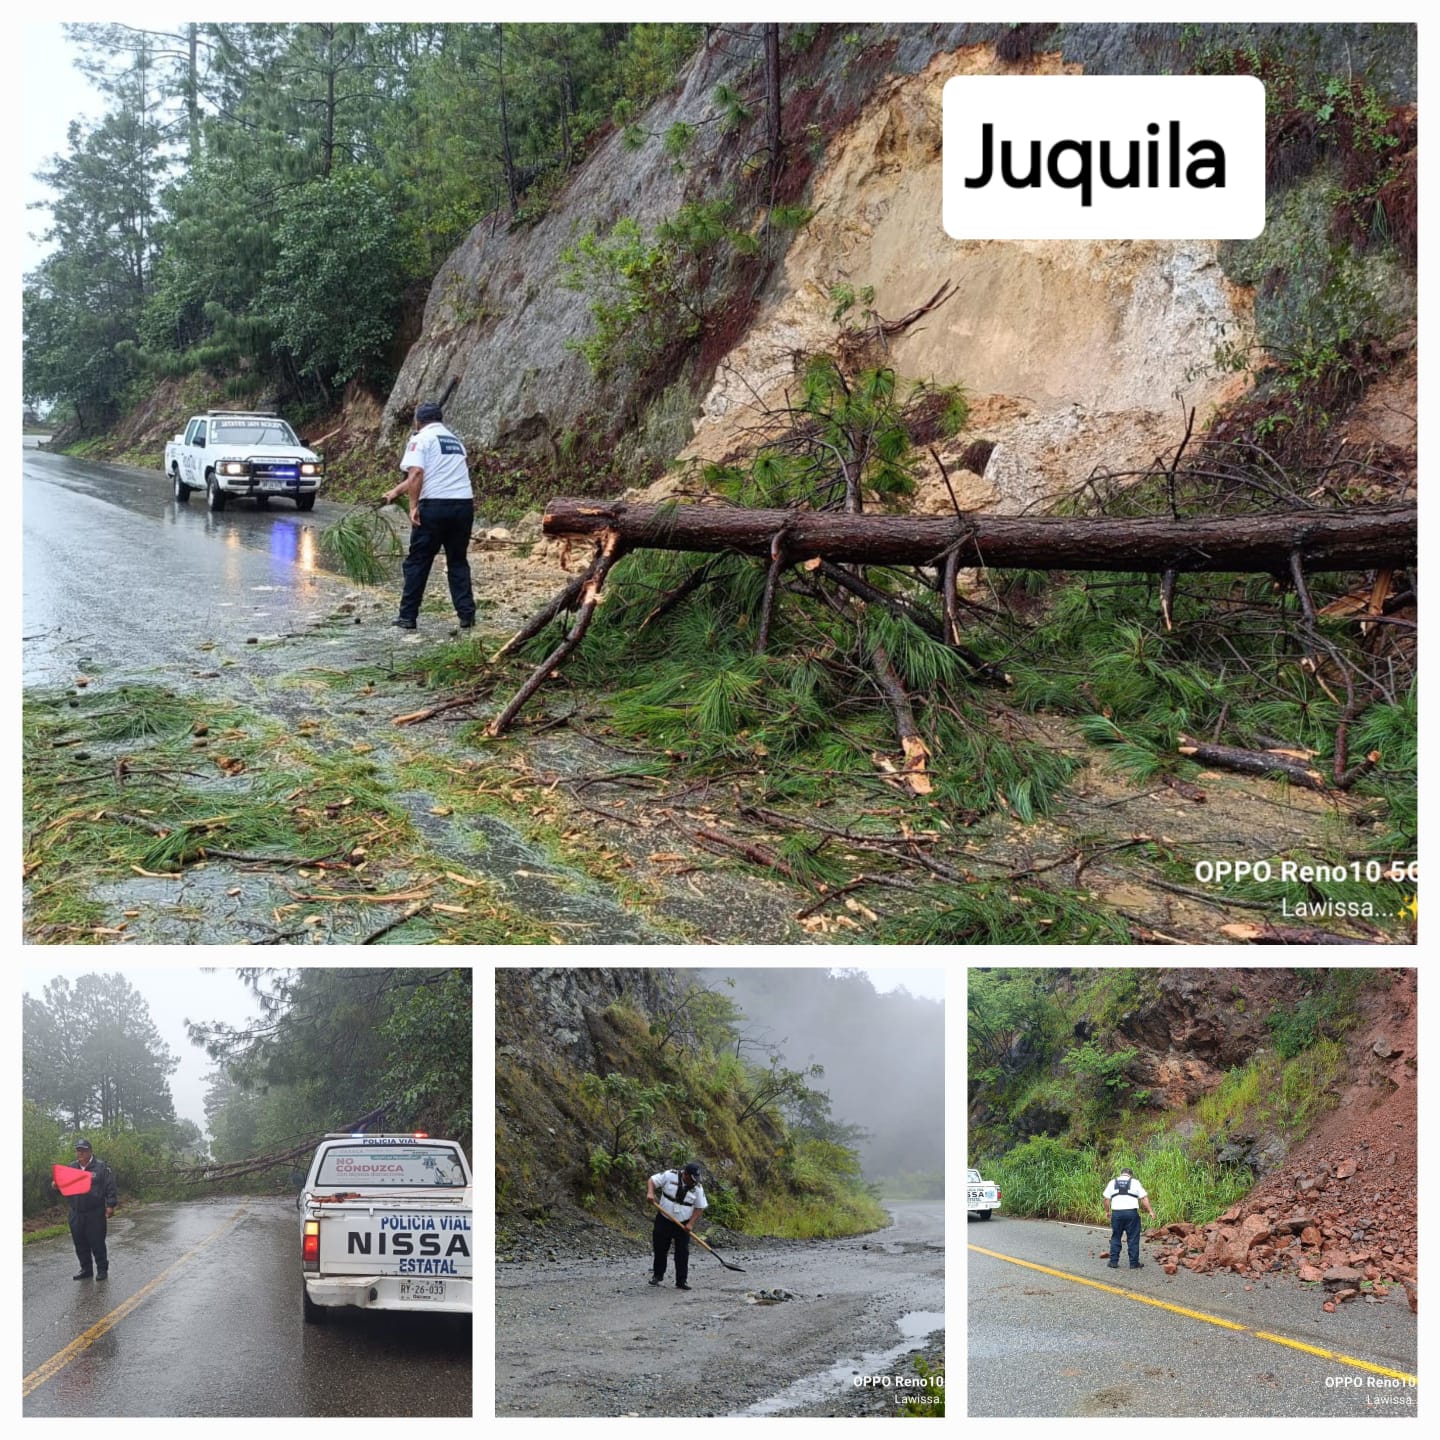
x=390, y=1165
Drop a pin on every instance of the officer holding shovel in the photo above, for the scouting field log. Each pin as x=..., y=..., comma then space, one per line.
x=680, y=1198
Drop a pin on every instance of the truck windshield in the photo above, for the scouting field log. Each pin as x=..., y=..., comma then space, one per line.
x=252, y=432
x=390, y=1165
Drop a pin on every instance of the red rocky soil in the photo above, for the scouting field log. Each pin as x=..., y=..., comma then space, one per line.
x=1341, y=1210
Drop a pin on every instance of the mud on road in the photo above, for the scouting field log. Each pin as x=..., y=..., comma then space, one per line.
x=578, y=1336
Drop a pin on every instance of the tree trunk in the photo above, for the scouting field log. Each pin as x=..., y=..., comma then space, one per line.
x=772, y=102
x=507, y=155
x=192, y=96
x=1324, y=539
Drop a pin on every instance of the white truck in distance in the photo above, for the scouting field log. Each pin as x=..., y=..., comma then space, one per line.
x=386, y=1225
x=981, y=1196
x=243, y=454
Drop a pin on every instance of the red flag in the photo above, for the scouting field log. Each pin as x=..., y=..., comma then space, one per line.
x=72, y=1181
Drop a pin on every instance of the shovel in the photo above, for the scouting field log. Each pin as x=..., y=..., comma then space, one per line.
x=700, y=1242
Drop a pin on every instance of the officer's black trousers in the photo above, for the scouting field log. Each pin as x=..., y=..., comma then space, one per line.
x=87, y=1230
x=1125, y=1224
x=667, y=1230
x=443, y=524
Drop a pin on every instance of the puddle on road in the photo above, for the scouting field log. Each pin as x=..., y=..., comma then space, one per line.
x=914, y=1325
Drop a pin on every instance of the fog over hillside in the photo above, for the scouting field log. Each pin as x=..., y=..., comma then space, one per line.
x=884, y=1054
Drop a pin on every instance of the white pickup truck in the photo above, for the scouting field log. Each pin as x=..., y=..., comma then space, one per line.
x=981, y=1196
x=243, y=454
x=386, y=1225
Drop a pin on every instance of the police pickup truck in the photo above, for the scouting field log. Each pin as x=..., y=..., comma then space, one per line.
x=243, y=454
x=386, y=1225
x=981, y=1196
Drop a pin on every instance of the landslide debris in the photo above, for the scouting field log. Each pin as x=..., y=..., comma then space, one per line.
x=1340, y=1210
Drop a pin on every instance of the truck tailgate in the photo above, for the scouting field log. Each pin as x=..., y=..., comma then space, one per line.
x=389, y=1239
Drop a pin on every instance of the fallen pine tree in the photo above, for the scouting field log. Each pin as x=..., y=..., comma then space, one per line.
x=1323, y=539
x=1288, y=544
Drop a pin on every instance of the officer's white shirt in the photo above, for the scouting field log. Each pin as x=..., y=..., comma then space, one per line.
x=666, y=1183
x=441, y=456
x=1126, y=1202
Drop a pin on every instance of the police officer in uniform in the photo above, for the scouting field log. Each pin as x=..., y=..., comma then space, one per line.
x=88, y=1213
x=1125, y=1195
x=681, y=1198
x=442, y=514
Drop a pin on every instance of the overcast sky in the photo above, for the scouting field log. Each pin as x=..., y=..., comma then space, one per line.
x=930, y=983
x=55, y=94
x=174, y=994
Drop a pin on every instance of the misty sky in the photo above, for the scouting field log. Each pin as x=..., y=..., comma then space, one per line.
x=174, y=995
x=55, y=94
x=929, y=983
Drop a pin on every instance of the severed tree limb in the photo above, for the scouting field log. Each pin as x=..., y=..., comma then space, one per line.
x=772, y=579
x=756, y=854
x=405, y=915
x=914, y=747
x=611, y=549
x=898, y=605
x=687, y=587
x=414, y=717
x=1302, y=590
x=1253, y=762
x=949, y=580
x=1167, y=598
x=567, y=599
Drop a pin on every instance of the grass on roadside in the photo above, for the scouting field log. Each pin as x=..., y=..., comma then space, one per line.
x=48, y=1232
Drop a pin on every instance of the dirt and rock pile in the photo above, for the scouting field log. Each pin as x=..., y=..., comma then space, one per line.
x=1340, y=1211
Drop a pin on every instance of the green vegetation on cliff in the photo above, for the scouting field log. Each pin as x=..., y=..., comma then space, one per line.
x=671, y=1081
x=1066, y=1087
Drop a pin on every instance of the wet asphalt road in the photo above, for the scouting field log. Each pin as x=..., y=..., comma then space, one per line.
x=222, y=1334
x=592, y=1337
x=1040, y=1345
x=120, y=577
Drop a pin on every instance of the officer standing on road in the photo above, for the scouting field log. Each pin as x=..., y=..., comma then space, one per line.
x=681, y=1198
x=442, y=514
x=88, y=1213
x=1124, y=1195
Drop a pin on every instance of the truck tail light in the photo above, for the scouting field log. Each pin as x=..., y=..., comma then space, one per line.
x=310, y=1248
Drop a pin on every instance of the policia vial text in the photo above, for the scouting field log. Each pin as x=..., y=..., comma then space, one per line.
x=1205, y=170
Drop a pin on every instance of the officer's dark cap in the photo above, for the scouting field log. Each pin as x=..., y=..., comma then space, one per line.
x=692, y=1167
x=82, y=1144
x=428, y=413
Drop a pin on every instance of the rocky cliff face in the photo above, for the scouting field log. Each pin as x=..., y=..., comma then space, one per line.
x=1074, y=353
x=1197, y=1025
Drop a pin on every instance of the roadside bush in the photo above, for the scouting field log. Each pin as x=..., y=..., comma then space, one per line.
x=1046, y=1178
x=41, y=1146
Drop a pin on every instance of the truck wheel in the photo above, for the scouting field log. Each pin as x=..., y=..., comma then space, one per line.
x=182, y=490
x=314, y=1314
x=305, y=502
x=215, y=497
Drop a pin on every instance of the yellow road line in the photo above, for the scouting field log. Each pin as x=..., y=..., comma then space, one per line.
x=58, y=1361
x=1199, y=1315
